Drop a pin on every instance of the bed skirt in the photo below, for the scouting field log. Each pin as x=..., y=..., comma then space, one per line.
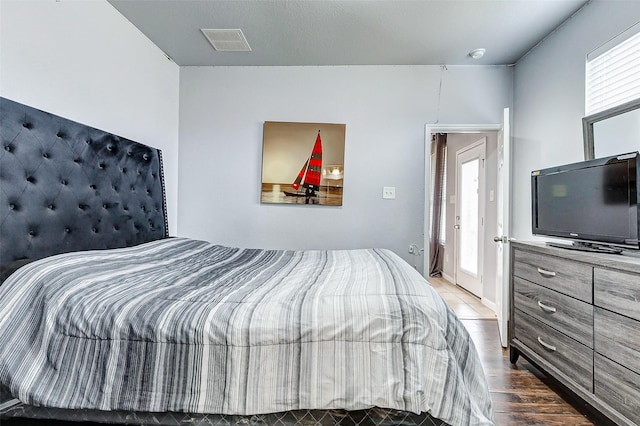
x=373, y=416
x=12, y=408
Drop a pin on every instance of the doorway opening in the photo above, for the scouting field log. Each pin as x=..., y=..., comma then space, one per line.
x=468, y=210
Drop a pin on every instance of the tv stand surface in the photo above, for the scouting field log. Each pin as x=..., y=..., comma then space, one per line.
x=590, y=247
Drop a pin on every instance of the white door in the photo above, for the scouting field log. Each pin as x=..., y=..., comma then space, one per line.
x=469, y=220
x=502, y=239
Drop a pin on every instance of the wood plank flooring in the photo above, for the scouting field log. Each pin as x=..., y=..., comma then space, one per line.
x=465, y=304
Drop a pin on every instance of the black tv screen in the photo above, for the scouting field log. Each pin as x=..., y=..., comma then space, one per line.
x=593, y=201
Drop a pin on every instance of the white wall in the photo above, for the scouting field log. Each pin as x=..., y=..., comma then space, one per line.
x=385, y=109
x=549, y=98
x=85, y=62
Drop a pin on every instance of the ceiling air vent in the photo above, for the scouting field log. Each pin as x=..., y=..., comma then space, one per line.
x=227, y=40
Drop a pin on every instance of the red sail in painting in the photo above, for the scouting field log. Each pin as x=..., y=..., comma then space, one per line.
x=301, y=175
x=310, y=174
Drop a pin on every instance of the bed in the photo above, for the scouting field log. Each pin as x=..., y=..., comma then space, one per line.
x=104, y=317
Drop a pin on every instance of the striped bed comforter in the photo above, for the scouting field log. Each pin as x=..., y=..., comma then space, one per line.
x=184, y=325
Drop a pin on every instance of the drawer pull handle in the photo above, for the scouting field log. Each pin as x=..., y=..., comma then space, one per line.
x=546, y=308
x=546, y=345
x=545, y=273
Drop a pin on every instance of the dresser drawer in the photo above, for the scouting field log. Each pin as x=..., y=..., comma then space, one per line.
x=617, y=291
x=566, y=276
x=618, y=387
x=566, y=314
x=564, y=353
x=618, y=338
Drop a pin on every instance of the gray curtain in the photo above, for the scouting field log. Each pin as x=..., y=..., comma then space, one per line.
x=436, y=250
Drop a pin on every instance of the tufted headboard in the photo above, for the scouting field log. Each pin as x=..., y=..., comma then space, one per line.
x=66, y=187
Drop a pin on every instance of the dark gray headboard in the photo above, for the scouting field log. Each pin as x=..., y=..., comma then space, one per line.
x=66, y=187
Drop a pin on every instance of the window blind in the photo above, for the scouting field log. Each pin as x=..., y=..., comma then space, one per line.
x=613, y=72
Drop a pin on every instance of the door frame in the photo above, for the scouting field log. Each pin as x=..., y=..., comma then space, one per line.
x=429, y=130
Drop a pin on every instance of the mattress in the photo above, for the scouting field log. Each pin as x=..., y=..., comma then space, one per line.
x=184, y=326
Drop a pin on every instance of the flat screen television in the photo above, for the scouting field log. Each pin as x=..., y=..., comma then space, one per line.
x=594, y=203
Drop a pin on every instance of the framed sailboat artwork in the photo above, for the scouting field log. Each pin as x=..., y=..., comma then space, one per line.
x=303, y=163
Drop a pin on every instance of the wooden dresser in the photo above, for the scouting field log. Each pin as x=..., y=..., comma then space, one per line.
x=576, y=315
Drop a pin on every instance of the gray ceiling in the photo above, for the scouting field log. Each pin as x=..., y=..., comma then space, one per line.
x=350, y=32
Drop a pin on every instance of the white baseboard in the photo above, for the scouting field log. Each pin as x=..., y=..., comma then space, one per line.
x=448, y=278
x=489, y=304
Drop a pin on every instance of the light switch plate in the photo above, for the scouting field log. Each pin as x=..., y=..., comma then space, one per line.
x=389, y=192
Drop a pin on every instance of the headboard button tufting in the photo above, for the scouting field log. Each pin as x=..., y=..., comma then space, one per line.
x=108, y=183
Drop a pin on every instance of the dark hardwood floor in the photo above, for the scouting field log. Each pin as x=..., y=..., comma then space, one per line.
x=521, y=394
